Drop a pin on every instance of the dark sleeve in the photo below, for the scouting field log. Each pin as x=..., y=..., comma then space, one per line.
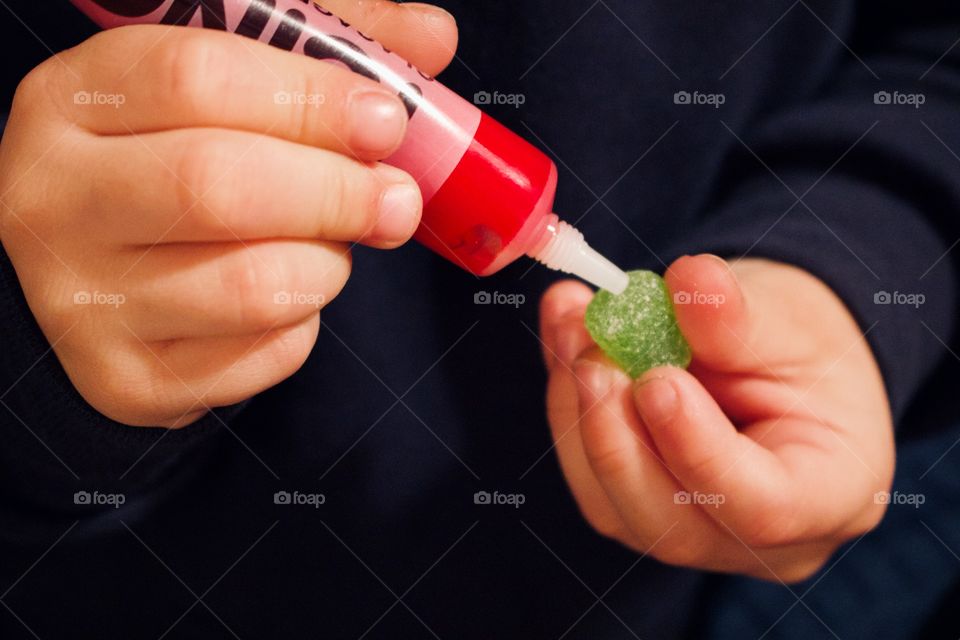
x=860, y=185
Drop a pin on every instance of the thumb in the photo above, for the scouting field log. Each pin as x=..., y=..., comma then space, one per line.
x=423, y=34
x=712, y=312
x=773, y=484
x=749, y=488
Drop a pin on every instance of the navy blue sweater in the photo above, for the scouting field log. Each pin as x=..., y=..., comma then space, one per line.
x=415, y=398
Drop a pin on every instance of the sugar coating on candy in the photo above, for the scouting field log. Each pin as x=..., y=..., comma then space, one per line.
x=638, y=329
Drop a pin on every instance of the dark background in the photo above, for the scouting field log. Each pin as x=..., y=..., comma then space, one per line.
x=860, y=597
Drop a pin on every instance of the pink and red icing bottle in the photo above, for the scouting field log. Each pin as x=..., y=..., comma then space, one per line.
x=487, y=193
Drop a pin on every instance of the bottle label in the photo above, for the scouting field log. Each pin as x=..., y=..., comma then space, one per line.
x=442, y=124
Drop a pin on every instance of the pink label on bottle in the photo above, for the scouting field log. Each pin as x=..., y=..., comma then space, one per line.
x=442, y=124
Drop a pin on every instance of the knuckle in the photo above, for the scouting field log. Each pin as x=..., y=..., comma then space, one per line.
x=20, y=211
x=334, y=277
x=27, y=209
x=36, y=200
x=193, y=71
x=869, y=521
x=42, y=91
x=35, y=87
x=608, y=462
x=800, y=572
x=311, y=126
x=678, y=551
x=772, y=526
x=121, y=391
x=291, y=349
x=118, y=394
x=706, y=466
x=602, y=521
x=607, y=527
x=109, y=41
x=251, y=285
x=8, y=203
x=57, y=310
x=10, y=227
x=204, y=188
x=352, y=201
x=344, y=269
x=369, y=197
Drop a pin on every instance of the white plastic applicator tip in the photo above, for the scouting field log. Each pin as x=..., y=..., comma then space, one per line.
x=567, y=251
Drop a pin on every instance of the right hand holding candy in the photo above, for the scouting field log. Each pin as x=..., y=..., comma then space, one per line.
x=762, y=459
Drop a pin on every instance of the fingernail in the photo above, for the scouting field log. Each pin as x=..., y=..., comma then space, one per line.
x=593, y=379
x=729, y=269
x=399, y=214
x=378, y=121
x=716, y=258
x=656, y=399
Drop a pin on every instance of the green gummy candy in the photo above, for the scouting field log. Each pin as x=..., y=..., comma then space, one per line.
x=638, y=329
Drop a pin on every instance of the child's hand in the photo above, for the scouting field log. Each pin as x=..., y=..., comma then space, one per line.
x=762, y=459
x=178, y=203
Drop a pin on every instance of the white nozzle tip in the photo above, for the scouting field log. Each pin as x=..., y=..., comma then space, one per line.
x=598, y=271
x=568, y=252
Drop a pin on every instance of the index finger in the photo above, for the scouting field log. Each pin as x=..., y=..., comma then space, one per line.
x=149, y=78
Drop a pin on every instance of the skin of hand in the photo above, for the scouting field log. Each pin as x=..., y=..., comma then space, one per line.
x=177, y=239
x=761, y=459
